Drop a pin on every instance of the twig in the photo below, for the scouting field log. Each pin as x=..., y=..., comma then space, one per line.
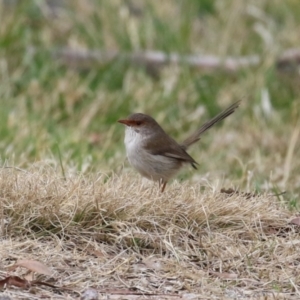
x=87, y=58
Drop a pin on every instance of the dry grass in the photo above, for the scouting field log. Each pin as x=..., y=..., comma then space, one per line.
x=116, y=233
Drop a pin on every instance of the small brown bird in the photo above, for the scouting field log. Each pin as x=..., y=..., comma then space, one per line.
x=153, y=153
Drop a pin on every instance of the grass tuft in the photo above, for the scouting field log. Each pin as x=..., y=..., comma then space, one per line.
x=192, y=233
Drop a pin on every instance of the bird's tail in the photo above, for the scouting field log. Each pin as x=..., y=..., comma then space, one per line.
x=197, y=134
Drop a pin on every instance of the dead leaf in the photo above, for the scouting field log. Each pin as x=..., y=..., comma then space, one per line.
x=295, y=221
x=15, y=281
x=32, y=265
x=22, y=283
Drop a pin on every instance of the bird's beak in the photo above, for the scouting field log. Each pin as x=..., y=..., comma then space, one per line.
x=126, y=122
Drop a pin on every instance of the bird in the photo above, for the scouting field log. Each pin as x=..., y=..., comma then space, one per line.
x=156, y=155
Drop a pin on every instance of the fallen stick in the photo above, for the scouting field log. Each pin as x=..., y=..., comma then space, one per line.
x=288, y=61
x=87, y=58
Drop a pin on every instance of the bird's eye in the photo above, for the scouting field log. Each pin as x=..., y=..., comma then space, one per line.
x=138, y=123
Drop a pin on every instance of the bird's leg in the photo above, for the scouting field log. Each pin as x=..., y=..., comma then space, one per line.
x=162, y=184
x=163, y=187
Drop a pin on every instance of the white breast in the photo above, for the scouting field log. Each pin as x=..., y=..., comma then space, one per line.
x=155, y=167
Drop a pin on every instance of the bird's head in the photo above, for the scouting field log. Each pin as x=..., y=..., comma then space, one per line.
x=141, y=123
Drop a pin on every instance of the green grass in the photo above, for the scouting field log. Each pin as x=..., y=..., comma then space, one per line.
x=46, y=106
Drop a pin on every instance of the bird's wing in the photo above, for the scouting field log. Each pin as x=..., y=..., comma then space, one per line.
x=221, y=116
x=158, y=146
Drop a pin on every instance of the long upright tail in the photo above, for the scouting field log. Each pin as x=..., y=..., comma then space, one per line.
x=196, y=135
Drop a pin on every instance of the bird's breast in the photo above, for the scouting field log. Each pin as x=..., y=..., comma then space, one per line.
x=154, y=167
x=133, y=140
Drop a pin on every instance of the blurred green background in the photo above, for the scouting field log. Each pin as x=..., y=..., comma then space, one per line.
x=54, y=108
